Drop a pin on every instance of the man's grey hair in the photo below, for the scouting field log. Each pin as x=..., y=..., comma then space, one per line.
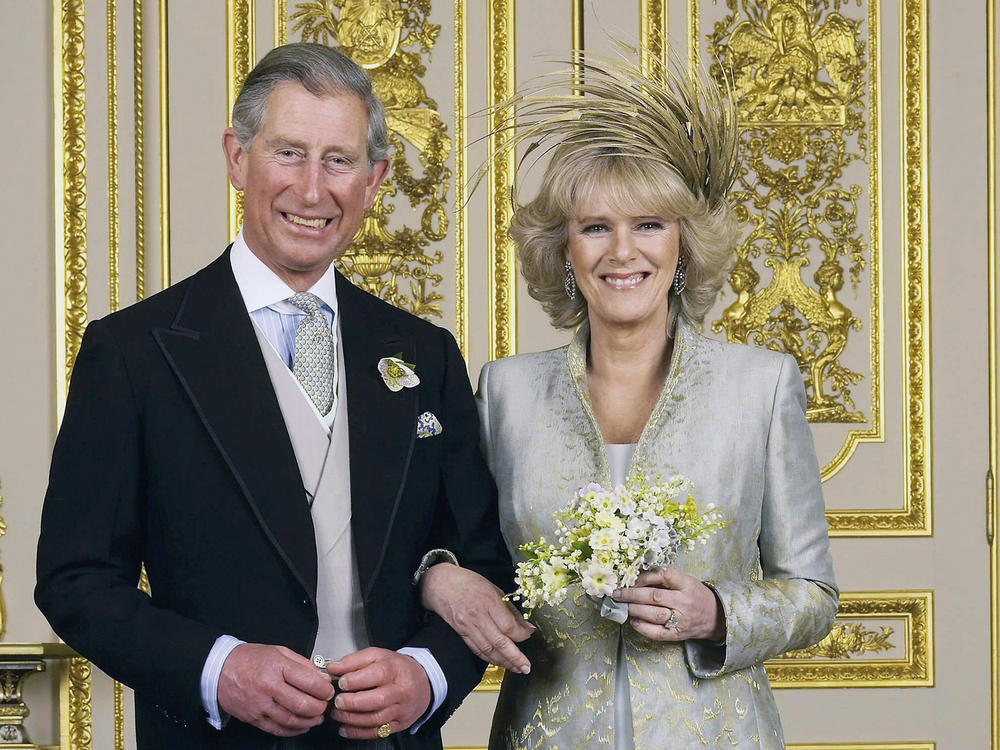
x=322, y=71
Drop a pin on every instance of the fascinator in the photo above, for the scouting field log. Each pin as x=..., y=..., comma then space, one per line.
x=599, y=105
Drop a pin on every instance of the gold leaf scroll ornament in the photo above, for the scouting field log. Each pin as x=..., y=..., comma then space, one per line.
x=379, y=35
x=789, y=194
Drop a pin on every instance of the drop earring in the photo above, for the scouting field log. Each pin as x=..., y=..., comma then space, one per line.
x=680, y=277
x=570, y=282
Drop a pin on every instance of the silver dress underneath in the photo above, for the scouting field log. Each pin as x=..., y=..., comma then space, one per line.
x=619, y=459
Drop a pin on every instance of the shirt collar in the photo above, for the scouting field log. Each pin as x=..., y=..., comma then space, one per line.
x=261, y=287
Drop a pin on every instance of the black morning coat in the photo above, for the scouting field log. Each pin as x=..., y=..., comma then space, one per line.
x=173, y=453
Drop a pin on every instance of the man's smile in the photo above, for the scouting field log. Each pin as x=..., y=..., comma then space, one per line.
x=303, y=221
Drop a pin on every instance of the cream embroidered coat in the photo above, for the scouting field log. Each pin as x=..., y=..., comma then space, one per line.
x=730, y=418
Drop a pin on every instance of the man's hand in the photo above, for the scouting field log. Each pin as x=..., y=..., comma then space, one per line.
x=376, y=687
x=476, y=610
x=274, y=689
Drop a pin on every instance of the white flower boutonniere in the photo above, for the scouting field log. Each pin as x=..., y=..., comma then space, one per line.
x=397, y=374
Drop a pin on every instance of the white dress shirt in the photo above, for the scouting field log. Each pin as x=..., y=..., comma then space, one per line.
x=265, y=296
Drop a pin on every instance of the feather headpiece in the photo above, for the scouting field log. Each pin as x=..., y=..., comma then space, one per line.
x=600, y=105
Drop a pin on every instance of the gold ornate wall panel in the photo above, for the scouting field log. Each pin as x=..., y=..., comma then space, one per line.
x=808, y=276
x=164, y=122
x=70, y=187
x=461, y=44
x=653, y=24
x=880, y=639
x=800, y=73
x=139, y=150
x=240, y=59
x=500, y=32
x=399, y=248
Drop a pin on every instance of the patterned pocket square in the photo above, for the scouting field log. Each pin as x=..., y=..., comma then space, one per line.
x=428, y=425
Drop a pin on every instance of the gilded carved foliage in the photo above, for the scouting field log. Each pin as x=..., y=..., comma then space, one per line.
x=797, y=69
x=845, y=640
x=389, y=38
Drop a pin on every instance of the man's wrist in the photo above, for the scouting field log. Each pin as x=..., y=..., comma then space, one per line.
x=432, y=558
x=435, y=678
x=210, y=674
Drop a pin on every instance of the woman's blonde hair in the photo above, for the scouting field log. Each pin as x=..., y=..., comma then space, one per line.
x=657, y=142
x=634, y=187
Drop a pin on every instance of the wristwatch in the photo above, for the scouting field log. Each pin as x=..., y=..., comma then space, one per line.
x=433, y=557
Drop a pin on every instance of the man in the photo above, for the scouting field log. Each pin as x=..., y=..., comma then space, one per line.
x=246, y=434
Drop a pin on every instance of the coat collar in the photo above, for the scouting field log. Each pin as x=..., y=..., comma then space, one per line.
x=214, y=352
x=686, y=344
x=382, y=423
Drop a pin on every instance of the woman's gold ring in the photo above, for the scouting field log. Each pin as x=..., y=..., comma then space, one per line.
x=671, y=622
x=383, y=731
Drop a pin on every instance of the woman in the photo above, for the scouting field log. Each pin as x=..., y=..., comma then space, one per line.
x=629, y=239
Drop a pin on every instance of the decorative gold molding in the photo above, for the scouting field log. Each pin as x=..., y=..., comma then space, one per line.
x=70, y=188
x=114, y=279
x=280, y=22
x=240, y=58
x=491, y=680
x=75, y=700
x=577, y=38
x=653, y=25
x=916, y=518
x=70, y=224
x=139, y=128
x=164, y=57
x=118, y=711
x=461, y=46
x=915, y=668
x=501, y=260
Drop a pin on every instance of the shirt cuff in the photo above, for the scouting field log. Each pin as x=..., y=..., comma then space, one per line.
x=439, y=684
x=210, y=673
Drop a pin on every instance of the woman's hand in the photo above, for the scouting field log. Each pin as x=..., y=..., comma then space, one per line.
x=667, y=605
x=476, y=610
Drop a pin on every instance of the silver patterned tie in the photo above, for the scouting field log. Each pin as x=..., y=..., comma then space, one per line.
x=314, y=361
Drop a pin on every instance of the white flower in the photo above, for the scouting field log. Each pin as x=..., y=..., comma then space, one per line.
x=637, y=527
x=555, y=574
x=599, y=580
x=626, y=505
x=397, y=374
x=607, y=520
x=653, y=517
x=605, y=502
x=604, y=539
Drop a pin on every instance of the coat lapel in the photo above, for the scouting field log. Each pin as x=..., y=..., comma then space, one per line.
x=214, y=352
x=382, y=424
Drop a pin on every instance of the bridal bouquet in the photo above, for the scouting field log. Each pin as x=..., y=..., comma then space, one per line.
x=605, y=537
